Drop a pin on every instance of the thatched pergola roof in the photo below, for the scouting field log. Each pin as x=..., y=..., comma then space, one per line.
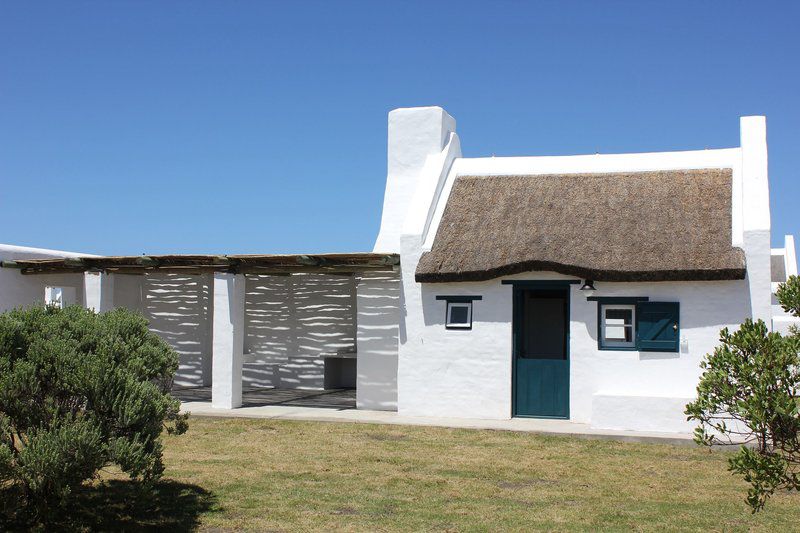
x=245, y=264
x=636, y=226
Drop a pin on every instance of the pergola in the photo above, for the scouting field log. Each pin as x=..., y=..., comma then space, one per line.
x=377, y=295
x=234, y=264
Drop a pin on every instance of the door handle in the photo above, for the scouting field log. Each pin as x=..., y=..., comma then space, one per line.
x=675, y=326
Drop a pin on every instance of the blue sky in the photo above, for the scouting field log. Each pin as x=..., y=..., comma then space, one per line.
x=235, y=127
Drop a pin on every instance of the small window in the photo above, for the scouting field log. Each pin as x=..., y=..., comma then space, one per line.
x=458, y=311
x=617, y=324
x=459, y=315
x=635, y=323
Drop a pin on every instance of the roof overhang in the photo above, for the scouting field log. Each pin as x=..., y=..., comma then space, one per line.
x=282, y=264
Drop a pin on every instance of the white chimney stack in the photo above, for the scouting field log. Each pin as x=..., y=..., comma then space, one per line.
x=415, y=133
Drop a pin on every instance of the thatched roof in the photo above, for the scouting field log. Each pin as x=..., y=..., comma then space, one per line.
x=634, y=226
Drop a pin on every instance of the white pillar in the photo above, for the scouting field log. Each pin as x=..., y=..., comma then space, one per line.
x=98, y=291
x=228, y=340
x=377, y=338
x=756, y=216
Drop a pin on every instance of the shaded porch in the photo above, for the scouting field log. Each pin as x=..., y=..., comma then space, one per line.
x=258, y=329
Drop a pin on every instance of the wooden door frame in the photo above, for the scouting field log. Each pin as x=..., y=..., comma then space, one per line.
x=518, y=287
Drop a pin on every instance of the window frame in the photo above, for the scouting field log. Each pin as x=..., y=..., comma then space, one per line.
x=449, y=324
x=458, y=301
x=606, y=344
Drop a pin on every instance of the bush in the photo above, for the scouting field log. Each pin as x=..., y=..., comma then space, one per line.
x=749, y=394
x=80, y=391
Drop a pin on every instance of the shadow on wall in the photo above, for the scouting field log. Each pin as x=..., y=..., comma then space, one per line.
x=178, y=307
x=379, y=314
x=291, y=323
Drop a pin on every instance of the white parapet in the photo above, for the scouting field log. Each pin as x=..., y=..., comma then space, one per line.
x=228, y=340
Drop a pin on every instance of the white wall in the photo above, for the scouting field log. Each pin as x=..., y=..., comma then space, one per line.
x=379, y=308
x=292, y=323
x=467, y=373
x=128, y=291
x=179, y=309
x=22, y=290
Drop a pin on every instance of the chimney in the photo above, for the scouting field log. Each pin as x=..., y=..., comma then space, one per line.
x=414, y=134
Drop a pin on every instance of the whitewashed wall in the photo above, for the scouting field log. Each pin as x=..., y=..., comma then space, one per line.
x=179, y=309
x=467, y=373
x=379, y=315
x=292, y=323
x=17, y=290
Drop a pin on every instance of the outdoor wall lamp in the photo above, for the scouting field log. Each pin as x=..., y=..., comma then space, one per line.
x=588, y=287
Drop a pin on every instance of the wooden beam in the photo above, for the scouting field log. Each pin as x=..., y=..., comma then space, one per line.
x=262, y=264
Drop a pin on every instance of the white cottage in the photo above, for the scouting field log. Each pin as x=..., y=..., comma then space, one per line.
x=585, y=288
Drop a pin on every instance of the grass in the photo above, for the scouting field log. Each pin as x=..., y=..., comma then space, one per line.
x=297, y=476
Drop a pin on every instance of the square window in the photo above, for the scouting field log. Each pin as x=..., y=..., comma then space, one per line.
x=458, y=310
x=459, y=315
x=617, y=326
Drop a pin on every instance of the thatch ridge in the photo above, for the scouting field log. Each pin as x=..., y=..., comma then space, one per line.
x=670, y=225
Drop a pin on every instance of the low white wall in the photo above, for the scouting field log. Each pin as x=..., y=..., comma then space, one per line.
x=641, y=413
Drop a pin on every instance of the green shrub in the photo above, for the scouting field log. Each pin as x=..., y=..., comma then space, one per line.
x=80, y=391
x=749, y=394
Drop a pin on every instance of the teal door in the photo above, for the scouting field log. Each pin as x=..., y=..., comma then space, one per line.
x=541, y=352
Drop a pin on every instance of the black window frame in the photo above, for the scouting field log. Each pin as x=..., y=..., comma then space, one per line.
x=460, y=299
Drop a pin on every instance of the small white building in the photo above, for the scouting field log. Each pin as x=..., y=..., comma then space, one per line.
x=585, y=288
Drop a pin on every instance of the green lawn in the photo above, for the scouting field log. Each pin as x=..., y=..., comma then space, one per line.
x=281, y=475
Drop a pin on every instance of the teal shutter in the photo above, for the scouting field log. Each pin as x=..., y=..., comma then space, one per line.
x=658, y=326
